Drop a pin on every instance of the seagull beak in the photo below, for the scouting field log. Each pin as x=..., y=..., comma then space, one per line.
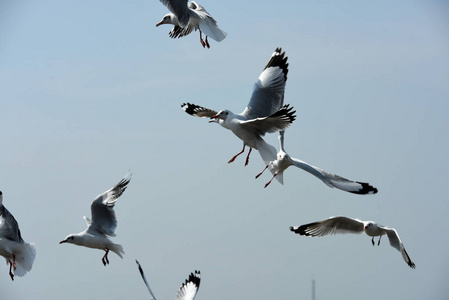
x=62, y=241
x=213, y=119
x=158, y=24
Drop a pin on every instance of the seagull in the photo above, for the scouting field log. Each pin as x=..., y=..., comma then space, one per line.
x=103, y=223
x=18, y=254
x=189, y=16
x=337, y=225
x=265, y=111
x=283, y=161
x=188, y=289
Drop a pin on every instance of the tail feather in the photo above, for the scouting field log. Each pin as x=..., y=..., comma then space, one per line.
x=267, y=152
x=210, y=28
x=117, y=249
x=25, y=256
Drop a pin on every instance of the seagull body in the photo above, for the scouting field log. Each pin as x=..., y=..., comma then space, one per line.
x=265, y=112
x=19, y=254
x=283, y=161
x=103, y=223
x=339, y=225
x=189, y=16
x=188, y=289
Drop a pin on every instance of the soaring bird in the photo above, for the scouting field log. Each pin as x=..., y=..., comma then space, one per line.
x=188, y=16
x=18, y=254
x=337, y=225
x=283, y=161
x=188, y=289
x=265, y=111
x=103, y=223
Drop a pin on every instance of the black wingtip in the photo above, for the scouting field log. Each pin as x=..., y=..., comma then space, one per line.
x=366, y=189
x=278, y=59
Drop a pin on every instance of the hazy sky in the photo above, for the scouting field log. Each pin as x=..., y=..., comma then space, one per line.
x=92, y=89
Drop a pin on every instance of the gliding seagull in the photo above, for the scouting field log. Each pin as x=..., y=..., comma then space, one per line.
x=265, y=111
x=18, y=254
x=189, y=16
x=188, y=289
x=103, y=223
x=337, y=225
x=283, y=161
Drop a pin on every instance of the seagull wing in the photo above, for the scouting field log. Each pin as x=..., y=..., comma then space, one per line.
x=198, y=111
x=179, y=9
x=190, y=287
x=102, y=209
x=395, y=242
x=268, y=93
x=336, y=181
x=145, y=281
x=280, y=120
x=9, y=228
x=333, y=225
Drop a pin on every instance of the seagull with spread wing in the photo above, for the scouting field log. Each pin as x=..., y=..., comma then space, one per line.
x=189, y=16
x=188, y=289
x=283, y=161
x=19, y=254
x=338, y=225
x=103, y=223
x=265, y=112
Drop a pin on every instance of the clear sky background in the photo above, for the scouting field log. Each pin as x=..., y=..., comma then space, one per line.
x=92, y=89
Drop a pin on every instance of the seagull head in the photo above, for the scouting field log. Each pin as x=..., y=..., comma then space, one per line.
x=168, y=19
x=71, y=239
x=220, y=117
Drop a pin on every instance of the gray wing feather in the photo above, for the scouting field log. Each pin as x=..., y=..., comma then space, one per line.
x=396, y=243
x=9, y=228
x=104, y=220
x=333, y=225
x=198, y=111
x=180, y=9
x=190, y=287
x=278, y=121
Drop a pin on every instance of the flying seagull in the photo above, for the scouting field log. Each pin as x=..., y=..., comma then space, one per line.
x=338, y=225
x=265, y=111
x=189, y=16
x=103, y=223
x=188, y=289
x=283, y=161
x=18, y=254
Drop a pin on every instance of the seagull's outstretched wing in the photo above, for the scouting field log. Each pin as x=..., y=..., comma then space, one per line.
x=280, y=120
x=333, y=225
x=179, y=9
x=268, y=93
x=102, y=209
x=145, y=281
x=198, y=111
x=9, y=228
x=190, y=287
x=336, y=181
x=395, y=242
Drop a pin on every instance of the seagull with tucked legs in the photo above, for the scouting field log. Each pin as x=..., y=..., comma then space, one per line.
x=103, y=223
x=265, y=112
x=18, y=254
x=338, y=225
x=283, y=161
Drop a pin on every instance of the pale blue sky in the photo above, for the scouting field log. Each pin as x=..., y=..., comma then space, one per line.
x=91, y=89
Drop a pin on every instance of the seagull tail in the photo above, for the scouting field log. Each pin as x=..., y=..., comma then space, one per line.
x=266, y=151
x=25, y=256
x=210, y=28
x=117, y=249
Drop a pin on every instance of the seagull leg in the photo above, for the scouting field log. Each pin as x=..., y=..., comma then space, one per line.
x=257, y=176
x=105, y=257
x=372, y=240
x=378, y=243
x=14, y=261
x=235, y=156
x=266, y=184
x=247, y=157
x=207, y=43
x=201, y=39
x=10, y=270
